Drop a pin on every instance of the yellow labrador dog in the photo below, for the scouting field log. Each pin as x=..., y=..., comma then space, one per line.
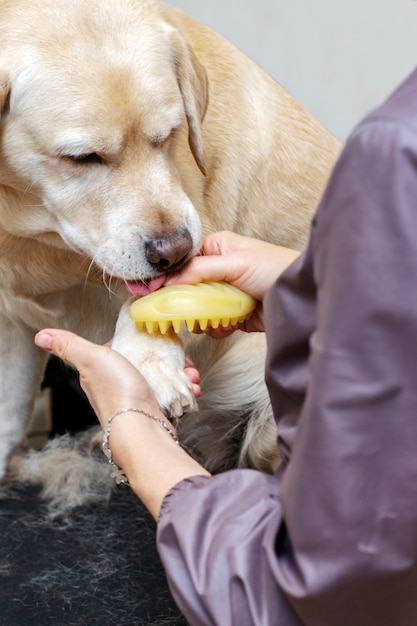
x=127, y=132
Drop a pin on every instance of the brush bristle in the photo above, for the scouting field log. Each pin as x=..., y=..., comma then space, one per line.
x=164, y=326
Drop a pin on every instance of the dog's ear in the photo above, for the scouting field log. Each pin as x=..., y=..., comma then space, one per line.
x=4, y=92
x=193, y=84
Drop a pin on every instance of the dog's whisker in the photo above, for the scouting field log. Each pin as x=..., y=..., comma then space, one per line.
x=107, y=281
x=107, y=277
x=88, y=273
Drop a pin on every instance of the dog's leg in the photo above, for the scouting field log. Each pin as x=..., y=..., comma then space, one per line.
x=160, y=359
x=21, y=368
x=234, y=426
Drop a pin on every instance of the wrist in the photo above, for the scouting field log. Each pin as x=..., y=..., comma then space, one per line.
x=149, y=456
x=117, y=473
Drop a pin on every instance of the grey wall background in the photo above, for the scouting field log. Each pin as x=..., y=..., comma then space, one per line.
x=339, y=58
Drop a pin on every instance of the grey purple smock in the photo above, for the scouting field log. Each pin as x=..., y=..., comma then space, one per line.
x=331, y=539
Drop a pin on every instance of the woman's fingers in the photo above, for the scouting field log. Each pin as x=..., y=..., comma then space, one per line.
x=194, y=375
x=250, y=264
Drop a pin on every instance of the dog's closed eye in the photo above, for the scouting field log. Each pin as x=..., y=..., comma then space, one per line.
x=85, y=159
x=160, y=141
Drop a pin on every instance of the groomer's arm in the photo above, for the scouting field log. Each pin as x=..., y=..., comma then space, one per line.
x=141, y=446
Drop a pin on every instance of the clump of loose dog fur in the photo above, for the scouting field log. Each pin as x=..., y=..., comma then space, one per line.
x=70, y=470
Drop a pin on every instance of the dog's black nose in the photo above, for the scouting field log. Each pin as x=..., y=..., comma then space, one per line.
x=169, y=251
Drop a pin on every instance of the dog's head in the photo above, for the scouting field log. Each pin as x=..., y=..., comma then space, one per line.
x=96, y=98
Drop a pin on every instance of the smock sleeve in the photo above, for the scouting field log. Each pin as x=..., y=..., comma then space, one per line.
x=216, y=538
x=332, y=540
x=349, y=492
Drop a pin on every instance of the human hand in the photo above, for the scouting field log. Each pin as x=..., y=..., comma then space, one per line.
x=250, y=264
x=151, y=460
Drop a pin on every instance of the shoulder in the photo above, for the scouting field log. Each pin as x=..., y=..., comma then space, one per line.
x=393, y=123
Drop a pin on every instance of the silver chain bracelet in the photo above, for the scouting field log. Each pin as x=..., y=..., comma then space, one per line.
x=116, y=472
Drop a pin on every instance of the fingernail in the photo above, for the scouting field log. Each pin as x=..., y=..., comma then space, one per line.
x=44, y=340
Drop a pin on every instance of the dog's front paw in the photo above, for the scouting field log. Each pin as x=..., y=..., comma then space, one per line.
x=161, y=361
x=166, y=376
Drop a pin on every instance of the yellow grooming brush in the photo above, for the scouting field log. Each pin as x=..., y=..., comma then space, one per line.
x=201, y=306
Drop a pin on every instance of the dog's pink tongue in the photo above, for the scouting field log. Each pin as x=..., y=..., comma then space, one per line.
x=140, y=288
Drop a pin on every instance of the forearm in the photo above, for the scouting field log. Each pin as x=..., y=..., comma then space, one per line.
x=151, y=459
x=216, y=538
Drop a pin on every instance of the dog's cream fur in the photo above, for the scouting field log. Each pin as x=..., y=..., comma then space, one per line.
x=129, y=130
